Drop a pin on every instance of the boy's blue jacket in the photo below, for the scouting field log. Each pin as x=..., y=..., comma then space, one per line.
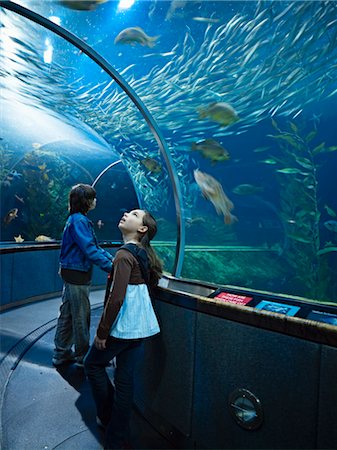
x=80, y=250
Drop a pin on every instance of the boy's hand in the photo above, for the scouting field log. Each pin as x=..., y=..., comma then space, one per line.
x=99, y=343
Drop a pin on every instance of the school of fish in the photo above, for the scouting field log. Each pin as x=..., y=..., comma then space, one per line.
x=275, y=62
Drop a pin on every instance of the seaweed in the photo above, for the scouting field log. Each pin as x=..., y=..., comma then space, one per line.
x=297, y=174
x=5, y=162
x=239, y=267
x=45, y=177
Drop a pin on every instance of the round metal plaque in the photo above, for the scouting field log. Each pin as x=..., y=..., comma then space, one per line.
x=246, y=409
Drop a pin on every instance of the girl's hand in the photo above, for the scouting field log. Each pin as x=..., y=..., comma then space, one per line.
x=99, y=343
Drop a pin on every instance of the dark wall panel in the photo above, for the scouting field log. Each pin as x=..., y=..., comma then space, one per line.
x=165, y=384
x=33, y=274
x=283, y=372
x=327, y=428
x=6, y=267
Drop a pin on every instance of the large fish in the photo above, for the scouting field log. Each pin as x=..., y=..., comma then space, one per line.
x=151, y=164
x=212, y=191
x=220, y=112
x=11, y=215
x=135, y=35
x=211, y=149
x=81, y=5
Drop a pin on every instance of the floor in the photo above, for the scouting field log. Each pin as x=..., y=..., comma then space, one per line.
x=46, y=408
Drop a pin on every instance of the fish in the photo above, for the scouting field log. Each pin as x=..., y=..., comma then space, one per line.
x=261, y=149
x=213, y=191
x=331, y=225
x=11, y=176
x=19, y=199
x=152, y=9
x=247, y=189
x=18, y=239
x=159, y=54
x=269, y=161
x=290, y=77
x=152, y=165
x=291, y=171
x=330, y=211
x=82, y=5
x=43, y=238
x=220, y=112
x=206, y=19
x=194, y=221
x=136, y=35
x=11, y=215
x=211, y=149
x=174, y=5
x=100, y=224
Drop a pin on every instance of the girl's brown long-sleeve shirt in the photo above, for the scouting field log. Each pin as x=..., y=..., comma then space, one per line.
x=126, y=271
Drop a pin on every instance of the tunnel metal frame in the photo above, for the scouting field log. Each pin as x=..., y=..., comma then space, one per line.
x=113, y=73
x=110, y=166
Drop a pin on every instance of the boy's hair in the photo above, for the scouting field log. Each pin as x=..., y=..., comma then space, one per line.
x=156, y=266
x=81, y=197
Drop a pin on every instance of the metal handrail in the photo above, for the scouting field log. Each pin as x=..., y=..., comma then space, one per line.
x=107, y=67
x=99, y=176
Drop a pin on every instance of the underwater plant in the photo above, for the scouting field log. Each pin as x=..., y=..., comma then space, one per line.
x=45, y=177
x=227, y=266
x=5, y=163
x=297, y=173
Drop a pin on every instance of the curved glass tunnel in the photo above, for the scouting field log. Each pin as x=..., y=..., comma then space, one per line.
x=150, y=178
x=244, y=94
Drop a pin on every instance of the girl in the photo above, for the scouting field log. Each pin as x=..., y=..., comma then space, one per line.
x=127, y=319
x=79, y=251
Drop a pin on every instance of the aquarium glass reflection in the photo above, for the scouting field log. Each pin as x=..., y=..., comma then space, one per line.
x=245, y=94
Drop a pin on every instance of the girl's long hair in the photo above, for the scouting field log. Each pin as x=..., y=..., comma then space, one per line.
x=156, y=266
x=81, y=197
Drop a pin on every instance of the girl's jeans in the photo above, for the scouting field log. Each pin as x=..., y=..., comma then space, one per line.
x=113, y=403
x=73, y=325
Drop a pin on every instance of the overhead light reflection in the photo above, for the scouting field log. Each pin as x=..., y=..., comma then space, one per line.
x=48, y=53
x=55, y=19
x=125, y=4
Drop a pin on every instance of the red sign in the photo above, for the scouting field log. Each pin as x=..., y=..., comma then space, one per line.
x=233, y=298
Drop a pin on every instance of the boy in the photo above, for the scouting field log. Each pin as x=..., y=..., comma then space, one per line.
x=79, y=251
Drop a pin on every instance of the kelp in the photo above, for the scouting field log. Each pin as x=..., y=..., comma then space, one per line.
x=297, y=173
x=237, y=267
x=45, y=178
x=5, y=162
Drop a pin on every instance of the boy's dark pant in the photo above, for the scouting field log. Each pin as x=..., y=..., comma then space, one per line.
x=114, y=405
x=73, y=324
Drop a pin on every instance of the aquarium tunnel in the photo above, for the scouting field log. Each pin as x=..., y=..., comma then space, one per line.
x=218, y=117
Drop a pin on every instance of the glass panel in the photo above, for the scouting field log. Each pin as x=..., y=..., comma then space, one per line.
x=267, y=152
